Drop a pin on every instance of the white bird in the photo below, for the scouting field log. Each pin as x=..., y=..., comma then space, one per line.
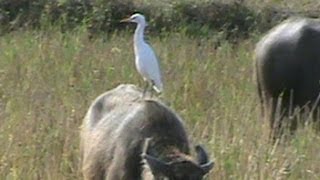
x=145, y=58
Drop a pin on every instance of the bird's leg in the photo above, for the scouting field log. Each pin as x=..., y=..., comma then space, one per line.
x=151, y=89
x=145, y=89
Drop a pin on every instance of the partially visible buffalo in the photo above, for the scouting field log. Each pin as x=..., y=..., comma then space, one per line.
x=288, y=71
x=124, y=137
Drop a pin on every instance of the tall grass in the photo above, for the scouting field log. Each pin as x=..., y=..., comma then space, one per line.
x=49, y=79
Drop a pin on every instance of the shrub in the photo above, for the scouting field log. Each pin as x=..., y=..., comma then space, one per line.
x=235, y=20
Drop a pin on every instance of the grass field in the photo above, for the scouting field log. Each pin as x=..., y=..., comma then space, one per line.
x=48, y=80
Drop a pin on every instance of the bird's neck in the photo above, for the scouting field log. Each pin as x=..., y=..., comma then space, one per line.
x=138, y=34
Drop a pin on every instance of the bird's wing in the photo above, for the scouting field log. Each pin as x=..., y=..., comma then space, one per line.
x=152, y=66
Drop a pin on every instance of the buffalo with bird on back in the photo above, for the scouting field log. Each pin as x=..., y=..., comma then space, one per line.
x=124, y=137
x=287, y=63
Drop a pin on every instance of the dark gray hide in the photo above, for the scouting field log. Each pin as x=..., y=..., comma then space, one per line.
x=114, y=133
x=288, y=66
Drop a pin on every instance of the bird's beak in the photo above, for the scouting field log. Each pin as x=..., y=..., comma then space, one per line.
x=126, y=20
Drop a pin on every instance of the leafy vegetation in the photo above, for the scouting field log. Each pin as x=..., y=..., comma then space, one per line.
x=236, y=19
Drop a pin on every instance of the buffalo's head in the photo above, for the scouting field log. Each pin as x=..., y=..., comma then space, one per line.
x=180, y=168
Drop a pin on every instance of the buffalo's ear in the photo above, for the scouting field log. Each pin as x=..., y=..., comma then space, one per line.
x=203, y=159
x=157, y=166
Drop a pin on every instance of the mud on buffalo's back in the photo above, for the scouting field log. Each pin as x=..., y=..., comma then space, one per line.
x=124, y=102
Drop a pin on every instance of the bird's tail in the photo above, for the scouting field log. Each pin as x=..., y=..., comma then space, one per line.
x=157, y=86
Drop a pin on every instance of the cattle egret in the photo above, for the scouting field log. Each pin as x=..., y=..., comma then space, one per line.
x=145, y=58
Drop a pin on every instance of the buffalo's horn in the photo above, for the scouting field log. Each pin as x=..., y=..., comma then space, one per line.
x=156, y=165
x=203, y=159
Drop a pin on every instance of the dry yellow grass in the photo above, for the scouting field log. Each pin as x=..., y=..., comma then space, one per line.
x=48, y=80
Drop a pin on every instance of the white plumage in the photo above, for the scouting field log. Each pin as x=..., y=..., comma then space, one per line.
x=145, y=58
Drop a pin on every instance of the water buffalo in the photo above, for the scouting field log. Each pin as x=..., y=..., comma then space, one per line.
x=288, y=72
x=124, y=137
